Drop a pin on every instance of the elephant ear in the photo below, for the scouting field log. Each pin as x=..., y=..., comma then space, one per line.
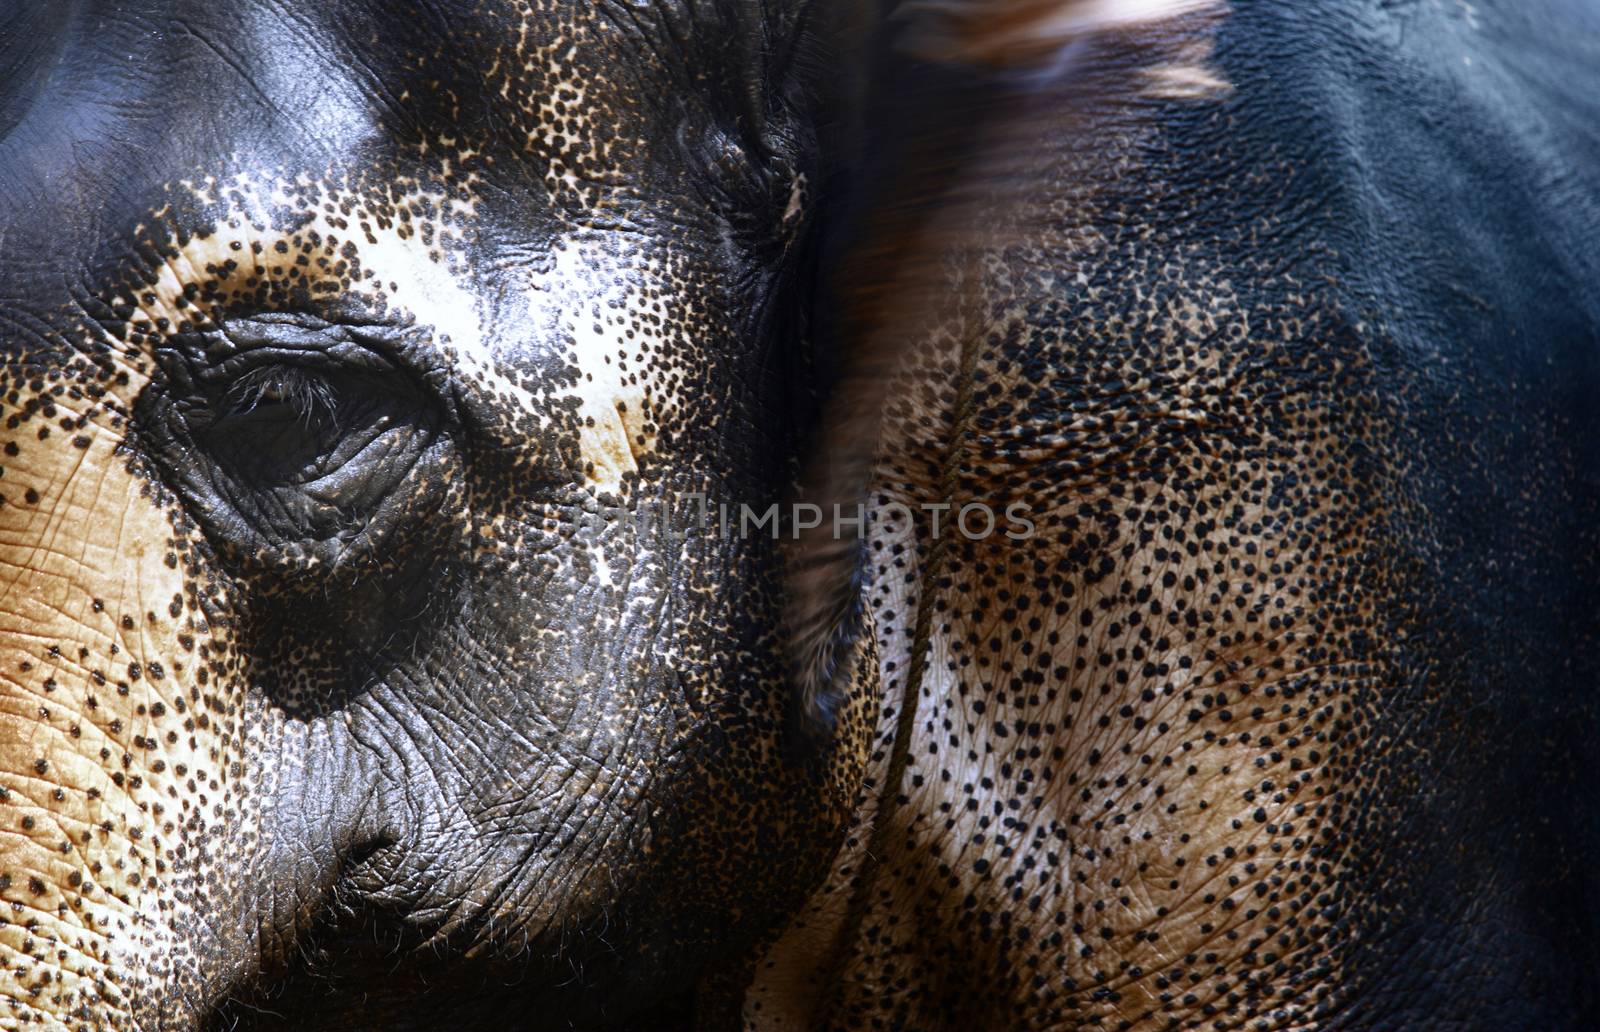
x=949, y=166
x=1010, y=33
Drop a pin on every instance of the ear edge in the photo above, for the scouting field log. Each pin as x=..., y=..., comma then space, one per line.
x=1024, y=33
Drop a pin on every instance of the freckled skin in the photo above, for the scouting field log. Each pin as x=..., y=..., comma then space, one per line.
x=324, y=328
x=1284, y=717
x=326, y=333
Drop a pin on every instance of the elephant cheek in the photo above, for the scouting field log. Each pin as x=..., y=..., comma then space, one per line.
x=120, y=746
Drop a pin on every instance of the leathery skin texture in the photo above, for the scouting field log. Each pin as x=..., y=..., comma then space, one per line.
x=336, y=695
x=1283, y=322
x=333, y=338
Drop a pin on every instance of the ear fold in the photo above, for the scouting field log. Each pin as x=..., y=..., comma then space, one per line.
x=1014, y=33
x=931, y=86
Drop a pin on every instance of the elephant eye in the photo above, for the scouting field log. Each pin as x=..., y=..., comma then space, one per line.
x=283, y=424
x=293, y=443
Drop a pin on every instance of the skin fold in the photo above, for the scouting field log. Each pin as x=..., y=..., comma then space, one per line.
x=353, y=675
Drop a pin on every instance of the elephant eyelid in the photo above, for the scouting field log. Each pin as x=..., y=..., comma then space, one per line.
x=308, y=364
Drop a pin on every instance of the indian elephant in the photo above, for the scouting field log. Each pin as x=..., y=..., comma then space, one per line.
x=367, y=662
x=336, y=336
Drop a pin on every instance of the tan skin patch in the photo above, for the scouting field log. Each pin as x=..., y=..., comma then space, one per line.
x=107, y=720
x=614, y=369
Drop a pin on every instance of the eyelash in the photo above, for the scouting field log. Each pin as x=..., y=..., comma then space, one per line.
x=309, y=396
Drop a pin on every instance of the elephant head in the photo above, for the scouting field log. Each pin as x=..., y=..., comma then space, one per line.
x=371, y=381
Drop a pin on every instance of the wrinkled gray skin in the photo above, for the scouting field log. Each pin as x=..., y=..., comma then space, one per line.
x=333, y=701
x=330, y=338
